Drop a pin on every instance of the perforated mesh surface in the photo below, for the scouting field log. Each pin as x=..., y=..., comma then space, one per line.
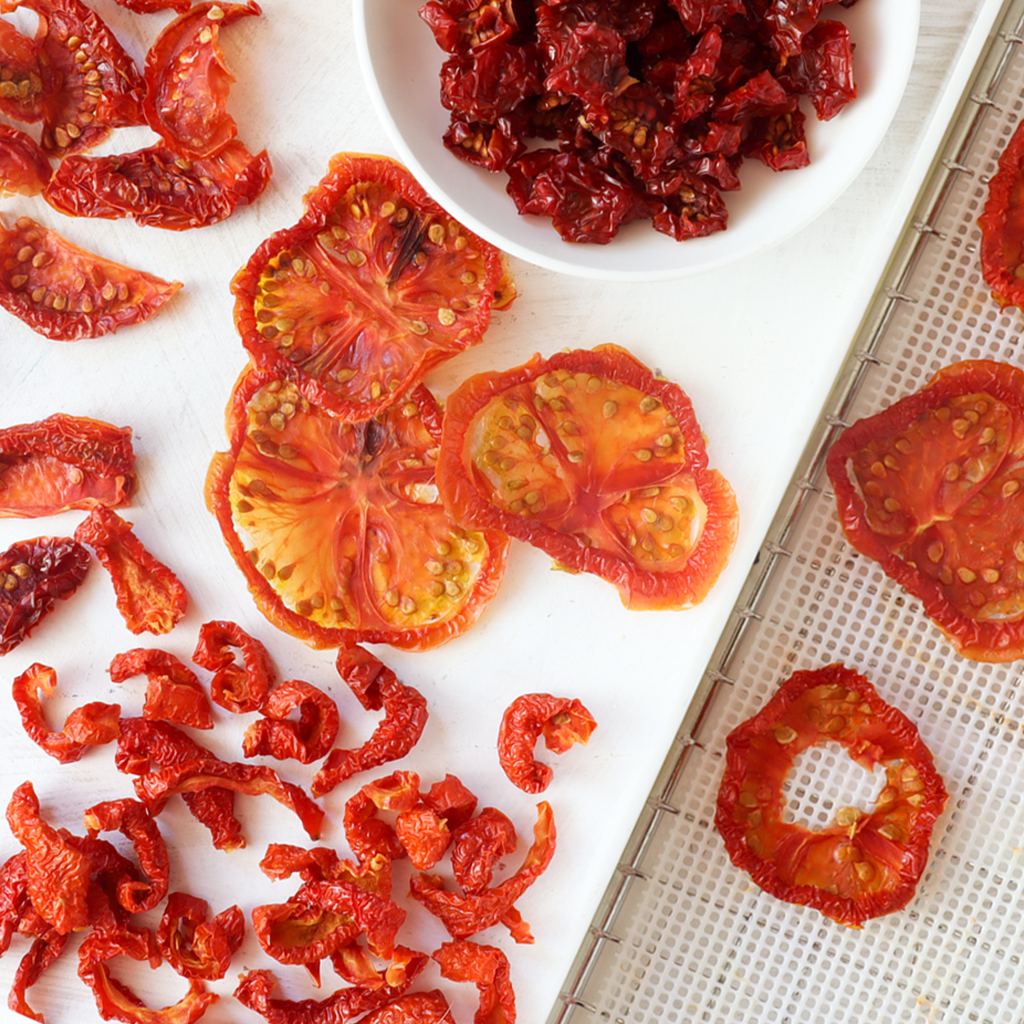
x=693, y=939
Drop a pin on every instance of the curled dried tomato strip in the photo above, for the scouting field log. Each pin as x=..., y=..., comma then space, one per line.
x=143, y=743
x=560, y=720
x=87, y=726
x=465, y=915
x=405, y=715
x=64, y=462
x=34, y=576
x=478, y=845
x=156, y=787
x=194, y=945
x=149, y=596
x=44, y=951
x=488, y=968
x=131, y=819
x=377, y=917
x=297, y=933
x=14, y=900
x=237, y=688
x=306, y=739
x=413, y=1008
x=173, y=693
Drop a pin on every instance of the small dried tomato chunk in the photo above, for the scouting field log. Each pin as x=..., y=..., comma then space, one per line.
x=238, y=688
x=173, y=693
x=194, y=944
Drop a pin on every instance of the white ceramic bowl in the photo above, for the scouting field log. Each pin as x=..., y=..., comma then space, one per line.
x=401, y=62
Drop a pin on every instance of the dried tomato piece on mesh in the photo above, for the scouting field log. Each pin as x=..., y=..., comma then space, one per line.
x=149, y=596
x=34, y=576
x=488, y=968
x=194, y=944
x=86, y=726
x=64, y=462
x=173, y=692
x=307, y=738
x=238, y=688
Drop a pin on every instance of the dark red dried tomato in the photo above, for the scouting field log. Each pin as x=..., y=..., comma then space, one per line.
x=24, y=167
x=65, y=293
x=238, y=688
x=477, y=847
x=307, y=738
x=823, y=69
x=34, y=576
x=779, y=140
x=149, y=596
x=866, y=863
x=491, y=146
x=173, y=693
x=27, y=77
x=195, y=945
x=376, y=687
x=488, y=968
x=89, y=725
x=1002, y=225
x=562, y=722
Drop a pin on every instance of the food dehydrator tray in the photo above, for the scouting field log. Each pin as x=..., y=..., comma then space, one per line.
x=684, y=936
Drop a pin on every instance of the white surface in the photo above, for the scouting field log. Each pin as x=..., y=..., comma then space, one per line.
x=756, y=346
x=401, y=62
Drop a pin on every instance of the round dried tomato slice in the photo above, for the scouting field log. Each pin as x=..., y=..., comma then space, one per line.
x=1002, y=226
x=866, y=863
x=337, y=525
x=932, y=488
x=373, y=287
x=590, y=457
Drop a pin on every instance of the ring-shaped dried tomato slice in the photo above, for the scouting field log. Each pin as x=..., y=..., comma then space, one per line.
x=372, y=288
x=932, y=488
x=337, y=526
x=865, y=863
x=591, y=458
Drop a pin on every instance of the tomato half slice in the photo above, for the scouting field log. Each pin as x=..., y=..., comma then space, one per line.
x=866, y=863
x=373, y=287
x=590, y=457
x=337, y=525
x=26, y=76
x=1002, y=225
x=932, y=489
x=66, y=293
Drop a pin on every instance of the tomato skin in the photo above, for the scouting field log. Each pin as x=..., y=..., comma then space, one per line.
x=408, y=287
x=1002, y=225
x=24, y=167
x=586, y=480
x=818, y=868
x=951, y=537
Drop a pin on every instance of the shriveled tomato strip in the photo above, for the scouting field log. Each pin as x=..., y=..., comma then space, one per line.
x=173, y=693
x=424, y=835
x=195, y=945
x=66, y=293
x=89, y=725
x=24, y=167
x=187, y=80
x=64, y=462
x=866, y=863
x=562, y=722
x=368, y=836
x=149, y=596
x=44, y=951
x=376, y=687
x=238, y=688
x=488, y=968
x=26, y=79
x=478, y=845
x=1002, y=225
x=298, y=933
x=593, y=459
x=305, y=739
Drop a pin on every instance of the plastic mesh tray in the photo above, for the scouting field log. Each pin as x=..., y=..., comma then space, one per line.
x=683, y=935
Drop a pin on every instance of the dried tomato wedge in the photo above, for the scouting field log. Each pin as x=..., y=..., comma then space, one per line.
x=866, y=863
x=66, y=293
x=373, y=287
x=187, y=80
x=337, y=527
x=64, y=462
x=173, y=692
x=1002, y=225
x=931, y=489
x=149, y=596
x=593, y=459
x=24, y=167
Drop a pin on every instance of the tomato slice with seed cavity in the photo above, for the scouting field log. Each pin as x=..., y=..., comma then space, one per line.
x=590, y=457
x=337, y=525
x=1002, y=226
x=373, y=287
x=26, y=76
x=187, y=80
x=931, y=489
x=65, y=293
x=864, y=864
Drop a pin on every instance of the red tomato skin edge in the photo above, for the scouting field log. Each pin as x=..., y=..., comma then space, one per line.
x=345, y=170
x=639, y=590
x=979, y=641
x=217, y=502
x=1007, y=289
x=850, y=912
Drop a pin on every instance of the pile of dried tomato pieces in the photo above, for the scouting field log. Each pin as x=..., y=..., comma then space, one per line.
x=642, y=109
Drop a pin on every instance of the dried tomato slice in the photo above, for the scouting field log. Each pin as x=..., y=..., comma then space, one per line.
x=194, y=944
x=34, y=576
x=26, y=77
x=158, y=187
x=1002, y=225
x=298, y=483
x=864, y=864
x=373, y=287
x=173, y=692
x=593, y=459
x=307, y=738
x=930, y=488
x=66, y=293
x=24, y=167
x=488, y=968
x=149, y=596
x=478, y=845
x=187, y=80
x=237, y=688
x=64, y=462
